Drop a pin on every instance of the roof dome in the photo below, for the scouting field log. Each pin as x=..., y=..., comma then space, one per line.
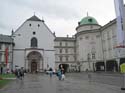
x=88, y=20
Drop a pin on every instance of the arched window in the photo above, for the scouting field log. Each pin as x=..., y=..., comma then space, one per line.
x=34, y=42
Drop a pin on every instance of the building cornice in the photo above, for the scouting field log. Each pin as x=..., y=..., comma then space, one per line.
x=87, y=31
x=87, y=25
x=64, y=62
x=64, y=39
x=65, y=54
x=64, y=46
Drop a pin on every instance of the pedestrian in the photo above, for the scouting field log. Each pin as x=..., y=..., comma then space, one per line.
x=50, y=72
x=16, y=73
x=21, y=73
x=59, y=74
x=1, y=70
x=63, y=73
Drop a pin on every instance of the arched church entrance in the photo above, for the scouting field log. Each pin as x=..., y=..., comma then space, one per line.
x=35, y=60
x=33, y=66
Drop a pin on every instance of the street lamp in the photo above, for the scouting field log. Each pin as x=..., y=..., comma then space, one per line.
x=89, y=61
x=89, y=74
x=12, y=36
x=118, y=50
x=93, y=54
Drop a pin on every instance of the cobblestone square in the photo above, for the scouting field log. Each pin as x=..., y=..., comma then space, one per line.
x=73, y=83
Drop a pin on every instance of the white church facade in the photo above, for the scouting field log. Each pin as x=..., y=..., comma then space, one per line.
x=36, y=48
x=34, y=45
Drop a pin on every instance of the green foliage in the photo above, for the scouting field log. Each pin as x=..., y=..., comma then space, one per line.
x=3, y=83
x=7, y=75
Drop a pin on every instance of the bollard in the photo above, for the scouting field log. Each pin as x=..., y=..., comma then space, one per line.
x=123, y=87
x=122, y=68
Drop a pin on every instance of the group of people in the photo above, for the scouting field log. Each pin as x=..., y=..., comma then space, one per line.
x=60, y=73
x=19, y=73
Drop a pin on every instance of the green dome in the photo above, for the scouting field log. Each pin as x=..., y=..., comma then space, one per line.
x=88, y=20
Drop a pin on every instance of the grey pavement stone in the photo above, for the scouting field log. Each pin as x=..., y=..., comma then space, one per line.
x=73, y=83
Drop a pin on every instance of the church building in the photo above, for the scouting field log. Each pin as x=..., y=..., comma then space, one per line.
x=33, y=46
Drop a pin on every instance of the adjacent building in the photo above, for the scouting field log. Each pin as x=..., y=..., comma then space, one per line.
x=65, y=52
x=94, y=47
x=6, y=52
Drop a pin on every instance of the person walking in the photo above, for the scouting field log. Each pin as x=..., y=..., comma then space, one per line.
x=1, y=70
x=50, y=72
x=16, y=73
x=21, y=73
x=59, y=74
x=63, y=73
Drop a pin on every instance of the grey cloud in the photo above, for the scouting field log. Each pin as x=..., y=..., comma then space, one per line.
x=54, y=8
x=3, y=26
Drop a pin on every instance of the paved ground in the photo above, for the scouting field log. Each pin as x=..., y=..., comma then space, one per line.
x=74, y=83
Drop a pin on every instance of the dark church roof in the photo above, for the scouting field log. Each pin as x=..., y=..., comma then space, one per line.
x=5, y=39
x=34, y=18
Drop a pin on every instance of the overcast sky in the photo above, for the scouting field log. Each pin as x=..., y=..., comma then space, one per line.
x=61, y=16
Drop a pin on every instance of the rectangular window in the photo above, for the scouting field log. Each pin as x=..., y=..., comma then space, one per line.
x=66, y=50
x=80, y=38
x=93, y=56
x=0, y=57
x=0, y=46
x=67, y=58
x=60, y=58
x=74, y=58
x=108, y=35
x=60, y=50
x=66, y=44
x=97, y=36
x=74, y=50
x=86, y=37
x=60, y=43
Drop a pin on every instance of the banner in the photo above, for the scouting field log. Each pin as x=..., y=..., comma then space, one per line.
x=120, y=16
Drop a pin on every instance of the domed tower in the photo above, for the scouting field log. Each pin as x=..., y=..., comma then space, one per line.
x=87, y=23
x=88, y=40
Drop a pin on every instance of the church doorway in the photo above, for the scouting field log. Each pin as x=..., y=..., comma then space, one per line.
x=35, y=62
x=34, y=67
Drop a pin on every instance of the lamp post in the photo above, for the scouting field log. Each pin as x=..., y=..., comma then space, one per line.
x=12, y=36
x=79, y=64
x=118, y=57
x=93, y=52
x=12, y=45
x=89, y=74
x=89, y=61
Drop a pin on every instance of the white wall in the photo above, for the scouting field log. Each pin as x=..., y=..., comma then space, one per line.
x=44, y=36
x=88, y=43
x=23, y=36
x=49, y=59
x=18, y=58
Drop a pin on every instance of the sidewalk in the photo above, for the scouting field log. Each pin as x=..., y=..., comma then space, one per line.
x=41, y=83
x=10, y=78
